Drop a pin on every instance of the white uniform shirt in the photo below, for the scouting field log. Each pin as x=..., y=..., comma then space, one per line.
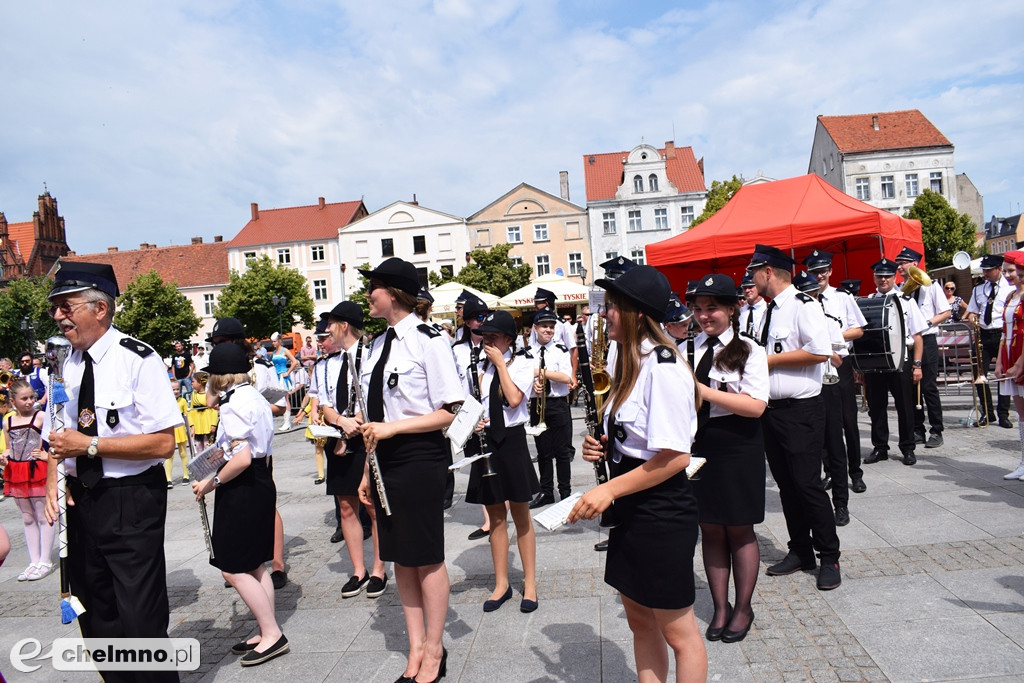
x=757, y=312
x=419, y=373
x=556, y=359
x=462, y=352
x=565, y=334
x=753, y=381
x=979, y=301
x=136, y=387
x=932, y=301
x=659, y=413
x=521, y=371
x=797, y=324
x=265, y=376
x=335, y=364
x=245, y=416
x=843, y=305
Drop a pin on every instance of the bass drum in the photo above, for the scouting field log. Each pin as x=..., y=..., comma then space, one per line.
x=883, y=346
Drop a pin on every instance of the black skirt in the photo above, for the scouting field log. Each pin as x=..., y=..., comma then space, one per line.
x=650, y=553
x=414, y=467
x=730, y=486
x=243, y=520
x=345, y=472
x=515, y=479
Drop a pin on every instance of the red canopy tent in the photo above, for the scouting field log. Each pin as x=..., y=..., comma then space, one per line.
x=798, y=215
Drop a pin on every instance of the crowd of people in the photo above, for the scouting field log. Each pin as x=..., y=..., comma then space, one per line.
x=747, y=378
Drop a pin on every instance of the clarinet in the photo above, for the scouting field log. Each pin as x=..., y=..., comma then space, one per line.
x=371, y=456
x=474, y=384
x=595, y=427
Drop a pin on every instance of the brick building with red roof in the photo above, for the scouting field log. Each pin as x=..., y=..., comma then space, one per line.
x=885, y=159
x=642, y=196
x=31, y=248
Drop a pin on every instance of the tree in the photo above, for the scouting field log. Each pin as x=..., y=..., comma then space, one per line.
x=156, y=312
x=24, y=297
x=944, y=230
x=491, y=270
x=437, y=279
x=247, y=297
x=718, y=196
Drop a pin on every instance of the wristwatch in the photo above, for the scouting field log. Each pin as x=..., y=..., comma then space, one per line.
x=94, y=447
x=917, y=363
x=216, y=481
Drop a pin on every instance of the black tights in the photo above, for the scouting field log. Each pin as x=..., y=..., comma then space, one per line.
x=735, y=548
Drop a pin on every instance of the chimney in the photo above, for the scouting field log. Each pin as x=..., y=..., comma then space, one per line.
x=218, y=238
x=670, y=149
x=255, y=211
x=414, y=202
x=143, y=245
x=197, y=240
x=322, y=203
x=111, y=250
x=874, y=121
x=563, y=184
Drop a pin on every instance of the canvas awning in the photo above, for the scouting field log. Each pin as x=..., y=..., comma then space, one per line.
x=566, y=292
x=445, y=295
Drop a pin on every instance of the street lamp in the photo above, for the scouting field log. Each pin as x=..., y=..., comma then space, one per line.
x=29, y=327
x=583, y=274
x=279, y=303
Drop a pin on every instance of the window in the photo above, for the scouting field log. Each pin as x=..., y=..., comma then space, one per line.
x=208, y=305
x=421, y=275
x=543, y=264
x=575, y=262
x=419, y=244
x=652, y=183
x=540, y=232
x=638, y=183
x=516, y=260
x=319, y=290
x=387, y=246
x=483, y=237
x=362, y=249
x=911, y=180
x=316, y=253
x=935, y=181
x=687, y=215
x=608, y=222
x=888, y=187
x=609, y=255
x=638, y=256
x=863, y=189
x=634, y=221
x=249, y=256
x=661, y=219
x=515, y=235
x=448, y=272
x=284, y=257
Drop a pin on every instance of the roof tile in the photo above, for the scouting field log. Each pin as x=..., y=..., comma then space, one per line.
x=906, y=129
x=191, y=265
x=298, y=223
x=603, y=172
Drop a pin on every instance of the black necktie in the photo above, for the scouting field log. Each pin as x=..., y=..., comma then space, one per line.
x=750, y=320
x=341, y=388
x=375, y=401
x=991, y=299
x=702, y=372
x=546, y=385
x=495, y=408
x=90, y=470
x=766, y=323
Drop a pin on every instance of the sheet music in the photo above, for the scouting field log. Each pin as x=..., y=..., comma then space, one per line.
x=558, y=514
x=207, y=462
x=273, y=394
x=325, y=432
x=696, y=463
x=466, y=461
x=464, y=424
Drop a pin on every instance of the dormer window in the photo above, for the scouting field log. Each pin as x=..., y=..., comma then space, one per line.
x=652, y=183
x=638, y=183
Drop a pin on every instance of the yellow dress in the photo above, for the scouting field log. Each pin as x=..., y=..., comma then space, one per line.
x=202, y=419
x=180, y=433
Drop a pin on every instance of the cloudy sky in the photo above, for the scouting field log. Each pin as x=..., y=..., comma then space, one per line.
x=158, y=121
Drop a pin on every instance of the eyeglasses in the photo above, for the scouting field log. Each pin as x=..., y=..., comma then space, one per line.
x=950, y=289
x=66, y=308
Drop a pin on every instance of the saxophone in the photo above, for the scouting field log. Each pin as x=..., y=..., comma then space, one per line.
x=598, y=364
x=601, y=382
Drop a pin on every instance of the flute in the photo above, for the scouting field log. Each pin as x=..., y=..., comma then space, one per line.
x=204, y=515
x=371, y=456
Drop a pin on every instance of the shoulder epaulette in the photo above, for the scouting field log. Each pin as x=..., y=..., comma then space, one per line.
x=525, y=353
x=141, y=348
x=263, y=361
x=744, y=333
x=428, y=330
x=803, y=296
x=665, y=354
x=561, y=347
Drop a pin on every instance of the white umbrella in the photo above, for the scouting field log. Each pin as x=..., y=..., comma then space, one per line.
x=445, y=295
x=566, y=292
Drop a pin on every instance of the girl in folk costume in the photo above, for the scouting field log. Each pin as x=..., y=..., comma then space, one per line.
x=202, y=418
x=650, y=421
x=243, y=517
x=25, y=464
x=1010, y=361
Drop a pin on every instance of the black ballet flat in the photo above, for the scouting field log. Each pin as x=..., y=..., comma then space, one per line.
x=716, y=633
x=736, y=636
x=491, y=605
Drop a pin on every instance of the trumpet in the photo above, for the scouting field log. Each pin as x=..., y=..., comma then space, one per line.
x=831, y=375
x=540, y=404
x=5, y=377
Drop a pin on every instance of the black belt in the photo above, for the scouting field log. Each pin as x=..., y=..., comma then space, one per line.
x=154, y=474
x=787, y=402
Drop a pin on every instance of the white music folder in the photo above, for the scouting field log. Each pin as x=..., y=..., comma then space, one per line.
x=465, y=422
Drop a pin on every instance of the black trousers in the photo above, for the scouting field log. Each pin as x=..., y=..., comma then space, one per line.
x=116, y=561
x=929, y=388
x=793, y=430
x=834, y=455
x=851, y=430
x=878, y=386
x=989, y=350
x=554, y=448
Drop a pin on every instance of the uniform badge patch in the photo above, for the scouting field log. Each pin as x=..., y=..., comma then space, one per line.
x=112, y=418
x=778, y=347
x=393, y=380
x=86, y=417
x=620, y=433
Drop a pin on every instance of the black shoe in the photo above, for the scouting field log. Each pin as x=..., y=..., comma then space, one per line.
x=842, y=516
x=541, y=500
x=983, y=421
x=828, y=577
x=442, y=670
x=376, y=587
x=919, y=439
x=736, y=636
x=279, y=579
x=252, y=658
x=857, y=485
x=243, y=647
x=601, y=546
x=337, y=536
x=876, y=455
x=318, y=481
x=491, y=605
x=527, y=606
x=826, y=483
x=713, y=634
x=477, y=534
x=934, y=441
x=1005, y=423
x=909, y=458
x=791, y=564
x=354, y=586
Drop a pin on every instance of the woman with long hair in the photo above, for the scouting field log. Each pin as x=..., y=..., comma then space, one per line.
x=650, y=421
x=733, y=374
x=1010, y=361
x=411, y=389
